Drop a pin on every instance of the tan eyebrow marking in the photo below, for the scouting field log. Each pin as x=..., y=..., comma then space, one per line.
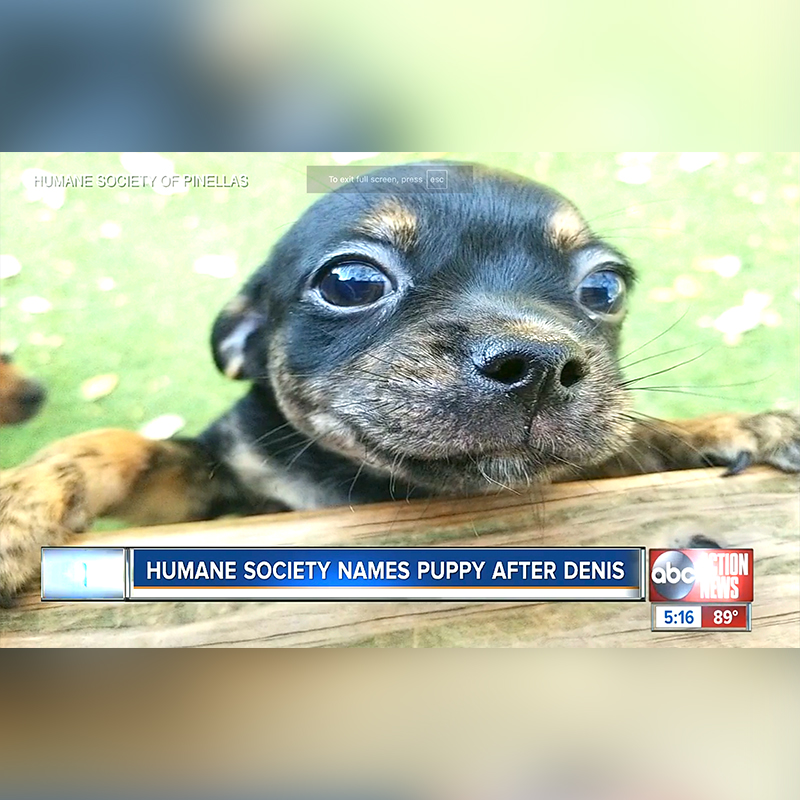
x=566, y=229
x=539, y=330
x=392, y=223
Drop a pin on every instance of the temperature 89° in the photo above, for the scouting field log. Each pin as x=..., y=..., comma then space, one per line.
x=725, y=617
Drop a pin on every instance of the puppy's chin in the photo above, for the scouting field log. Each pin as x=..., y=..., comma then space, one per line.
x=464, y=474
x=529, y=456
x=510, y=450
x=493, y=469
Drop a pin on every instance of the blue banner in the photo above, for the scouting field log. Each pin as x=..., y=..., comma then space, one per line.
x=492, y=573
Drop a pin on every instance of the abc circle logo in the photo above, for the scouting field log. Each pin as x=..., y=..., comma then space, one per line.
x=673, y=575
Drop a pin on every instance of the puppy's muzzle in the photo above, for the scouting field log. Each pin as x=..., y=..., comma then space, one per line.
x=541, y=371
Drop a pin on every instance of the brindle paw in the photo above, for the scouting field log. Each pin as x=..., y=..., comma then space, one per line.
x=738, y=442
x=41, y=504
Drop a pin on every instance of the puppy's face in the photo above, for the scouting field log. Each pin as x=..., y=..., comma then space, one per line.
x=457, y=340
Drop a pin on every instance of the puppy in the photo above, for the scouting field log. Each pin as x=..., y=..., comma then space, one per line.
x=21, y=397
x=399, y=343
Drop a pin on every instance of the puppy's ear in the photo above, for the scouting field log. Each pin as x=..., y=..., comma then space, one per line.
x=238, y=339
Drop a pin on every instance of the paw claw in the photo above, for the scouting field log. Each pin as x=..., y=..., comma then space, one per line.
x=700, y=542
x=743, y=460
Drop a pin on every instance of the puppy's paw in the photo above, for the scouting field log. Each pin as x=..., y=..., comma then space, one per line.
x=41, y=504
x=700, y=542
x=736, y=442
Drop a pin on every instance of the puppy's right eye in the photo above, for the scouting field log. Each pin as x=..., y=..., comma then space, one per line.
x=353, y=283
x=602, y=292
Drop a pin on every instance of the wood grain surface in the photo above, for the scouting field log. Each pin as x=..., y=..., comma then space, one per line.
x=759, y=509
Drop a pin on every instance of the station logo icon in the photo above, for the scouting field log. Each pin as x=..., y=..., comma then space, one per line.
x=673, y=574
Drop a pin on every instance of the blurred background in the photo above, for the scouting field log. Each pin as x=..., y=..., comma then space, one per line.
x=405, y=725
x=185, y=74
x=108, y=294
x=310, y=75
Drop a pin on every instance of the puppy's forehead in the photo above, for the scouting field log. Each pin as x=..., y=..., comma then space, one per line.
x=390, y=221
x=498, y=208
x=566, y=229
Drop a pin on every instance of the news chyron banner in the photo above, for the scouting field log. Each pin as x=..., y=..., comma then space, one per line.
x=343, y=573
x=708, y=589
x=689, y=589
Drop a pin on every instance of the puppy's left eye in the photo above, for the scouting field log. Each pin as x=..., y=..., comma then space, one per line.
x=602, y=292
x=353, y=283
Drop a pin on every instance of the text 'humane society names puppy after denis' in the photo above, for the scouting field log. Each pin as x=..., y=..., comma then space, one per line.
x=388, y=569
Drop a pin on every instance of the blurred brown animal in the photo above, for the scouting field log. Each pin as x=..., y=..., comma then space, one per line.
x=21, y=397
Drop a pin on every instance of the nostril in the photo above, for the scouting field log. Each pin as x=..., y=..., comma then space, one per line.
x=571, y=373
x=506, y=369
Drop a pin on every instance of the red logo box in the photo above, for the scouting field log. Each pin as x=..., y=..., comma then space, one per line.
x=701, y=576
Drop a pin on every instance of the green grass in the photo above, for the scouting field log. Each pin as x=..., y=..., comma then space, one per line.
x=152, y=328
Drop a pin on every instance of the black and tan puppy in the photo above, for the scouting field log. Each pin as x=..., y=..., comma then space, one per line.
x=397, y=343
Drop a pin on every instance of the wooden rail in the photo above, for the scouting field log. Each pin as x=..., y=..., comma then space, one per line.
x=759, y=509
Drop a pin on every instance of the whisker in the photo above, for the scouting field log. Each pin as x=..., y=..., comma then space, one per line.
x=272, y=432
x=624, y=209
x=303, y=450
x=627, y=383
x=658, y=336
x=353, y=484
x=753, y=382
x=660, y=355
x=678, y=391
x=492, y=480
x=604, y=233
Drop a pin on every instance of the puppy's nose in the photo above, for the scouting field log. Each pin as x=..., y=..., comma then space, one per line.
x=529, y=367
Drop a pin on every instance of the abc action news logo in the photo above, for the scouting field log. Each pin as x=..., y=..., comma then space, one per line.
x=697, y=576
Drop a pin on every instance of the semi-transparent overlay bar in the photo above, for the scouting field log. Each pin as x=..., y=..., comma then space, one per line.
x=402, y=179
